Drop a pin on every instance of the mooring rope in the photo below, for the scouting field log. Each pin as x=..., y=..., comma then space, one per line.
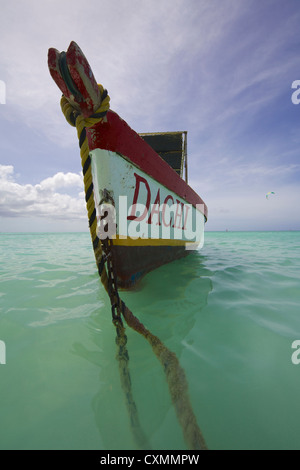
x=175, y=375
x=123, y=359
x=177, y=383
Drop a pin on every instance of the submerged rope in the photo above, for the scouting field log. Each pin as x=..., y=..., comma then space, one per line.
x=175, y=375
x=177, y=383
x=123, y=359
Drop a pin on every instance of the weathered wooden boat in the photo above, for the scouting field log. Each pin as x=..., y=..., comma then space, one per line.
x=147, y=215
x=144, y=203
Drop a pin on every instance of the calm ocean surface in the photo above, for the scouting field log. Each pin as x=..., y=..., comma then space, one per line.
x=230, y=313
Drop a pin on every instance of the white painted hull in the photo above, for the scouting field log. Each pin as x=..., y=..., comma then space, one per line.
x=161, y=232
x=147, y=213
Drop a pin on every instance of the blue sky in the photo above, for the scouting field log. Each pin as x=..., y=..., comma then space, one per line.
x=220, y=69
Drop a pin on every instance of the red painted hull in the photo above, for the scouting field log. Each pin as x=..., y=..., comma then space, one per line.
x=115, y=135
x=133, y=259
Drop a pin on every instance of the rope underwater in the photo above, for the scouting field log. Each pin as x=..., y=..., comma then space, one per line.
x=175, y=375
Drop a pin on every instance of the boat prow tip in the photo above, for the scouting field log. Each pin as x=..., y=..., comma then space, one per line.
x=74, y=77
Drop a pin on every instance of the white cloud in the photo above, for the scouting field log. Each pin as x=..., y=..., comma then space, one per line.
x=217, y=69
x=43, y=199
x=60, y=180
x=140, y=50
x=164, y=62
x=6, y=172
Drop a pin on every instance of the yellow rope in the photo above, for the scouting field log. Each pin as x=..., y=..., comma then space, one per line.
x=174, y=373
x=77, y=120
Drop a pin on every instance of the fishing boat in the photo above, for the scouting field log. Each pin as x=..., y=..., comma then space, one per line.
x=140, y=181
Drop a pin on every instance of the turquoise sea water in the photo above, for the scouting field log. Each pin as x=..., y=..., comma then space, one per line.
x=230, y=313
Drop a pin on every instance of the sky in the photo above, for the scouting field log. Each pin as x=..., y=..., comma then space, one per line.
x=223, y=70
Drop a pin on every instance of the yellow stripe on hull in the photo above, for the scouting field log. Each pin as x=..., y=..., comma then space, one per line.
x=127, y=241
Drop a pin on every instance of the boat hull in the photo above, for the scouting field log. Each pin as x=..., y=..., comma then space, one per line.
x=143, y=205
x=149, y=224
x=133, y=262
